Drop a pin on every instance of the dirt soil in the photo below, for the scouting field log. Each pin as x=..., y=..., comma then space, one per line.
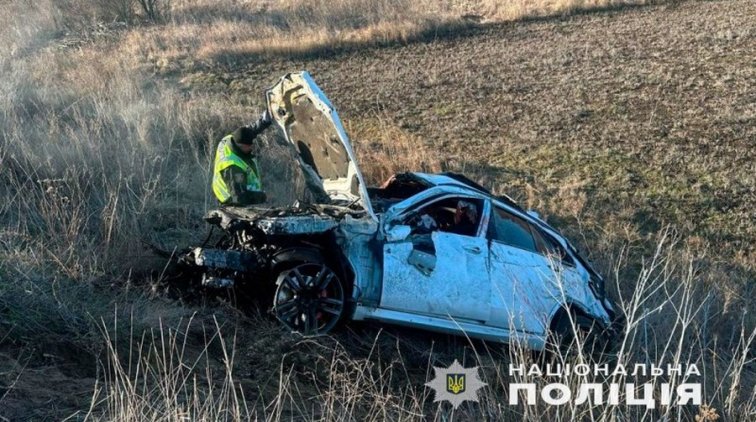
x=650, y=109
x=647, y=112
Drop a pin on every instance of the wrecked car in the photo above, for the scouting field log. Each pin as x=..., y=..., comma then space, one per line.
x=431, y=251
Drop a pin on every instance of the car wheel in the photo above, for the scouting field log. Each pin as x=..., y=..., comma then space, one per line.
x=309, y=299
x=578, y=334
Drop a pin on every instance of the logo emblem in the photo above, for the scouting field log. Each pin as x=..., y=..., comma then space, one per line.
x=456, y=384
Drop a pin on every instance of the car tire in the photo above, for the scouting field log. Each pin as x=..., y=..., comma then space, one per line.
x=310, y=297
x=575, y=334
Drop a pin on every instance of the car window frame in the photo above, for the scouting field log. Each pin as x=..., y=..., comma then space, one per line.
x=548, y=238
x=534, y=228
x=491, y=219
x=431, y=198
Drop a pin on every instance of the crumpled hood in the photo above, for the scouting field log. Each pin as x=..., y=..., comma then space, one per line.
x=310, y=123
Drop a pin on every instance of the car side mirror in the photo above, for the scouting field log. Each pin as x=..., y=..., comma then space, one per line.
x=534, y=214
x=398, y=232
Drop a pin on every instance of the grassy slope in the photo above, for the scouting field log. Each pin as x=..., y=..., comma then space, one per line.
x=615, y=124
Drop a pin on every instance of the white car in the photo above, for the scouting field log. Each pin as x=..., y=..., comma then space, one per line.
x=432, y=251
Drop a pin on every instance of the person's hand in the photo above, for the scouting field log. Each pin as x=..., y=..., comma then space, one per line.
x=428, y=223
x=265, y=117
x=261, y=123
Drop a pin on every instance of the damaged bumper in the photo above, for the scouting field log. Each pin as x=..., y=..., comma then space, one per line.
x=220, y=267
x=224, y=259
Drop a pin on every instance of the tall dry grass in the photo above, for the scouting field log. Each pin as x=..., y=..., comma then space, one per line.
x=98, y=152
x=95, y=158
x=161, y=376
x=202, y=31
x=379, y=142
x=669, y=321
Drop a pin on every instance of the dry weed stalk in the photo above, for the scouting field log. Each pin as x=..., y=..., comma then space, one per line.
x=664, y=327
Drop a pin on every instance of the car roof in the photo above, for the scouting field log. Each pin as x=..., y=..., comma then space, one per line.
x=456, y=179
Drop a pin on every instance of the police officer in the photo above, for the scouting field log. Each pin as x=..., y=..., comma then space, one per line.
x=236, y=175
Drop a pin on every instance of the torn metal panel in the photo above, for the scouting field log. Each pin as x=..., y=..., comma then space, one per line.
x=296, y=225
x=356, y=236
x=224, y=259
x=217, y=282
x=299, y=216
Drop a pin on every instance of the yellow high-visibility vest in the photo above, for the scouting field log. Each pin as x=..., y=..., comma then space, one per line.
x=225, y=158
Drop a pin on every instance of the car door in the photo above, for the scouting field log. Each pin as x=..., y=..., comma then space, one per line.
x=437, y=272
x=523, y=290
x=561, y=279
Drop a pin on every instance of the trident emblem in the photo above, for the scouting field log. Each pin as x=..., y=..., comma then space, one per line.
x=455, y=383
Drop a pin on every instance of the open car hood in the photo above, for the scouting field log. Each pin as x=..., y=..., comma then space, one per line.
x=310, y=123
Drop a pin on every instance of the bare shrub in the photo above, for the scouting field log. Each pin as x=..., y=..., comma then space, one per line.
x=156, y=10
x=93, y=160
x=121, y=10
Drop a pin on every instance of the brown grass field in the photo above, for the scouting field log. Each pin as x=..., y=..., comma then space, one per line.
x=631, y=127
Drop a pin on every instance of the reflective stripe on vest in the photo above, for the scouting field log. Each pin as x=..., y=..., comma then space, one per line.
x=225, y=158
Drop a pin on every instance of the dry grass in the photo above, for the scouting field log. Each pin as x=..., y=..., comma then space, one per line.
x=381, y=377
x=104, y=143
x=379, y=142
x=166, y=375
x=511, y=10
x=207, y=31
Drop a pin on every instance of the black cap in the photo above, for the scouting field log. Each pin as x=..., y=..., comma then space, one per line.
x=244, y=136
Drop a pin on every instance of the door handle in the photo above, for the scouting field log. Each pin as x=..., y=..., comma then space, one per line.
x=473, y=249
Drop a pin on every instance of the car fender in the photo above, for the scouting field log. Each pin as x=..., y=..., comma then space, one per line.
x=598, y=313
x=340, y=265
x=297, y=253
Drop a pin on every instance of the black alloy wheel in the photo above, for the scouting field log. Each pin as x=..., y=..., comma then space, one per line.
x=309, y=299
